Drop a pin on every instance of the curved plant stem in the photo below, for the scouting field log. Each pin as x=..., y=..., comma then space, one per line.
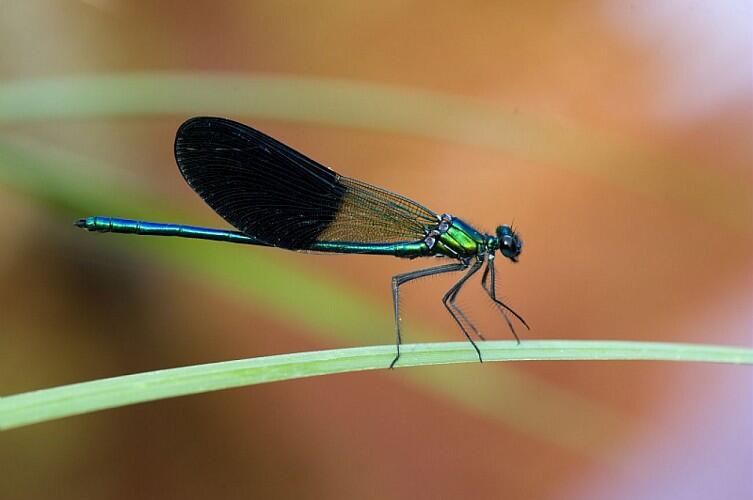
x=48, y=404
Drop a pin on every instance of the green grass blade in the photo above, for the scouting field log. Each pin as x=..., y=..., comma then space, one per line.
x=75, y=399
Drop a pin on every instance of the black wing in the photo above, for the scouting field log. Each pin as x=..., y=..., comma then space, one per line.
x=272, y=192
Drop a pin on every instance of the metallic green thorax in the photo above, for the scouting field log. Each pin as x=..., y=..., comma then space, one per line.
x=459, y=241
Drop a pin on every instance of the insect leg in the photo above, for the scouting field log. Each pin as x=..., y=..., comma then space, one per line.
x=453, y=291
x=401, y=279
x=460, y=312
x=491, y=290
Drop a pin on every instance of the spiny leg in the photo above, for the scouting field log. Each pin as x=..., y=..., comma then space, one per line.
x=501, y=310
x=493, y=295
x=401, y=279
x=491, y=290
x=453, y=291
x=458, y=310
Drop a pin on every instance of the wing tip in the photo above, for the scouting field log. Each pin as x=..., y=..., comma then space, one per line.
x=200, y=122
x=193, y=124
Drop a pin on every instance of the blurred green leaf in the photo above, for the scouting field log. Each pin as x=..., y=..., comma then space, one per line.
x=48, y=404
x=701, y=189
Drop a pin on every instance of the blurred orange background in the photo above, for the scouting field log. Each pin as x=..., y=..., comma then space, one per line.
x=617, y=137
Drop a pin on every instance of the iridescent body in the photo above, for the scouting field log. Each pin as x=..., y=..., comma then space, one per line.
x=276, y=197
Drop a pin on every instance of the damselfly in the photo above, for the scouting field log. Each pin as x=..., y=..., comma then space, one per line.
x=277, y=197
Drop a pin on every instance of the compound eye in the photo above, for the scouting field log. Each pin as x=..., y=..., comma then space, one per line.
x=507, y=241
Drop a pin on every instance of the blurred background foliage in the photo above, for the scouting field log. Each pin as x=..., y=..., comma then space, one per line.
x=617, y=136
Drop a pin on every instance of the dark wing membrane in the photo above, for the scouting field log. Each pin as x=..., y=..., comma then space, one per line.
x=272, y=192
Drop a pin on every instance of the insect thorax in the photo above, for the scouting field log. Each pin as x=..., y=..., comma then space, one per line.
x=454, y=238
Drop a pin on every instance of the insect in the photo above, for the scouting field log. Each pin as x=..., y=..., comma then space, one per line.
x=275, y=196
